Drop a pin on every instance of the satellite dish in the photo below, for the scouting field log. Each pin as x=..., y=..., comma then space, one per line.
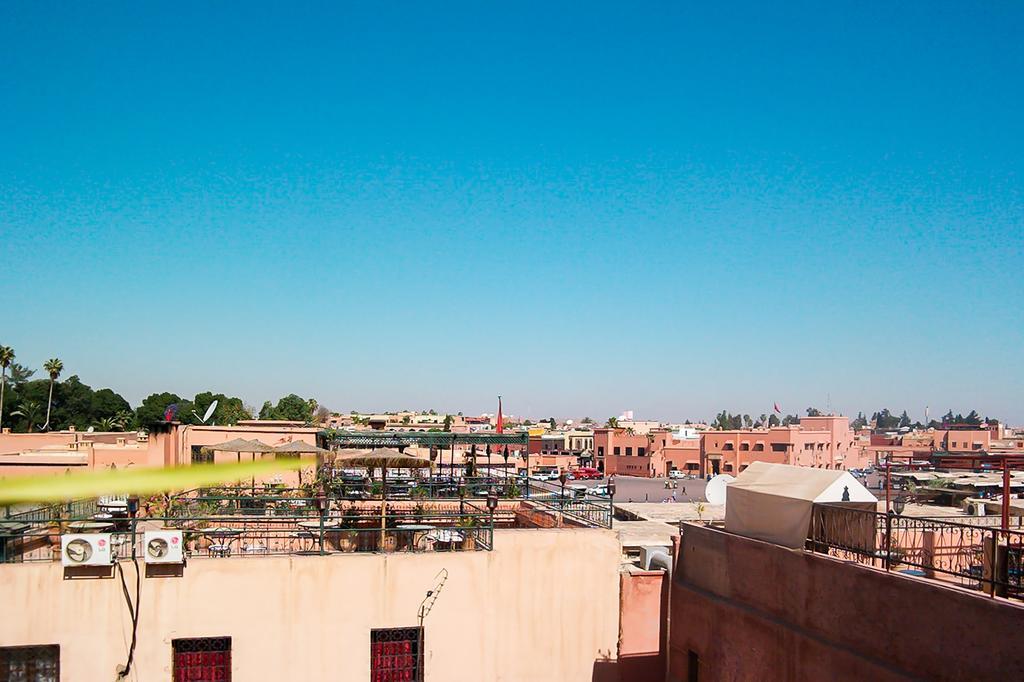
x=90, y=429
x=715, y=490
x=209, y=413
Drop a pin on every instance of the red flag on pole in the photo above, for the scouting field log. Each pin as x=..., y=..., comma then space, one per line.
x=777, y=409
x=501, y=422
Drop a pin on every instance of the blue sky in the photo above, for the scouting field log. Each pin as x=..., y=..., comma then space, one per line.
x=588, y=208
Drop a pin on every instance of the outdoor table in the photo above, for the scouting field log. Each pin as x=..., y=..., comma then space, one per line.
x=417, y=533
x=313, y=528
x=90, y=526
x=225, y=535
x=445, y=536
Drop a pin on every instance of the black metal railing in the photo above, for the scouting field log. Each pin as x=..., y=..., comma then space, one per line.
x=595, y=511
x=267, y=519
x=979, y=557
x=241, y=525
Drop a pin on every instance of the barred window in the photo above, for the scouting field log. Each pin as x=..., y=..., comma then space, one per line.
x=201, y=455
x=30, y=663
x=202, y=659
x=396, y=655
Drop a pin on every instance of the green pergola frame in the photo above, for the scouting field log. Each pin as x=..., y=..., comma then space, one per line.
x=437, y=439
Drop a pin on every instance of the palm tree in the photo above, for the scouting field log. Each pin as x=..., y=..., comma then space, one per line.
x=30, y=410
x=613, y=422
x=6, y=358
x=109, y=424
x=125, y=418
x=53, y=367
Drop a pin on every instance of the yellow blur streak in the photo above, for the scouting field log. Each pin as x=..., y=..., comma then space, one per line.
x=142, y=481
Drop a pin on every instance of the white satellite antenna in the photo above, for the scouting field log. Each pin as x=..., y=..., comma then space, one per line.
x=209, y=413
x=715, y=490
x=90, y=429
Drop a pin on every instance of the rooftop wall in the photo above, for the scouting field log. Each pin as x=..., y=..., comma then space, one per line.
x=752, y=610
x=542, y=606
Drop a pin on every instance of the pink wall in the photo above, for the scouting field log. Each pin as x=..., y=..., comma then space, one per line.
x=643, y=610
x=752, y=610
x=623, y=464
x=825, y=442
x=11, y=443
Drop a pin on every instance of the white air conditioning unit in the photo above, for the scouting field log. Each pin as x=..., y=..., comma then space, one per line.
x=163, y=547
x=85, y=549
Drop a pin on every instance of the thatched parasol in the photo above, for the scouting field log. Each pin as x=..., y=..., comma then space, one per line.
x=385, y=458
x=298, y=448
x=240, y=445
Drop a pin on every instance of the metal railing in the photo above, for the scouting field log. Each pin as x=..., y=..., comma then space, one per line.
x=591, y=512
x=227, y=526
x=260, y=520
x=979, y=557
x=75, y=508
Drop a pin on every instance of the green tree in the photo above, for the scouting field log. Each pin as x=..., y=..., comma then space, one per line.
x=448, y=422
x=860, y=422
x=152, y=409
x=773, y=420
x=613, y=422
x=53, y=367
x=904, y=420
x=588, y=420
x=229, y=410
x=108, y=404
x=6, y=358
x=813, y=412
x=73, y=404
x=290, y=408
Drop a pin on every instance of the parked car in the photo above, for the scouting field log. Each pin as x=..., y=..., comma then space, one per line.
x=577, y=491
x=598, y=491
x=587, y=474
x=676, y=473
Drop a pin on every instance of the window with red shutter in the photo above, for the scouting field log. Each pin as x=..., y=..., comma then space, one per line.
x=202, y=659
x=396, y=655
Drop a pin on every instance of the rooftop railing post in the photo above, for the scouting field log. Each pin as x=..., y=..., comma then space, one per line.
x=321, y=504
x=132, y=507
x=888, y=540
x=992, y=565
x=611, y=501
x=814, y=527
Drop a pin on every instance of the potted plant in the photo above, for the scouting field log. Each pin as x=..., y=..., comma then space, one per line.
x=467, y=526
x=699, y=507
x=346, y=538
x=55, y=528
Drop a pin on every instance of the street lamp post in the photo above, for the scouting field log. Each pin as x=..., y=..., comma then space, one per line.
x=561, y=503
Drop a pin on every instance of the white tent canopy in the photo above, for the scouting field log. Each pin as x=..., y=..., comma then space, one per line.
x=773, y=502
